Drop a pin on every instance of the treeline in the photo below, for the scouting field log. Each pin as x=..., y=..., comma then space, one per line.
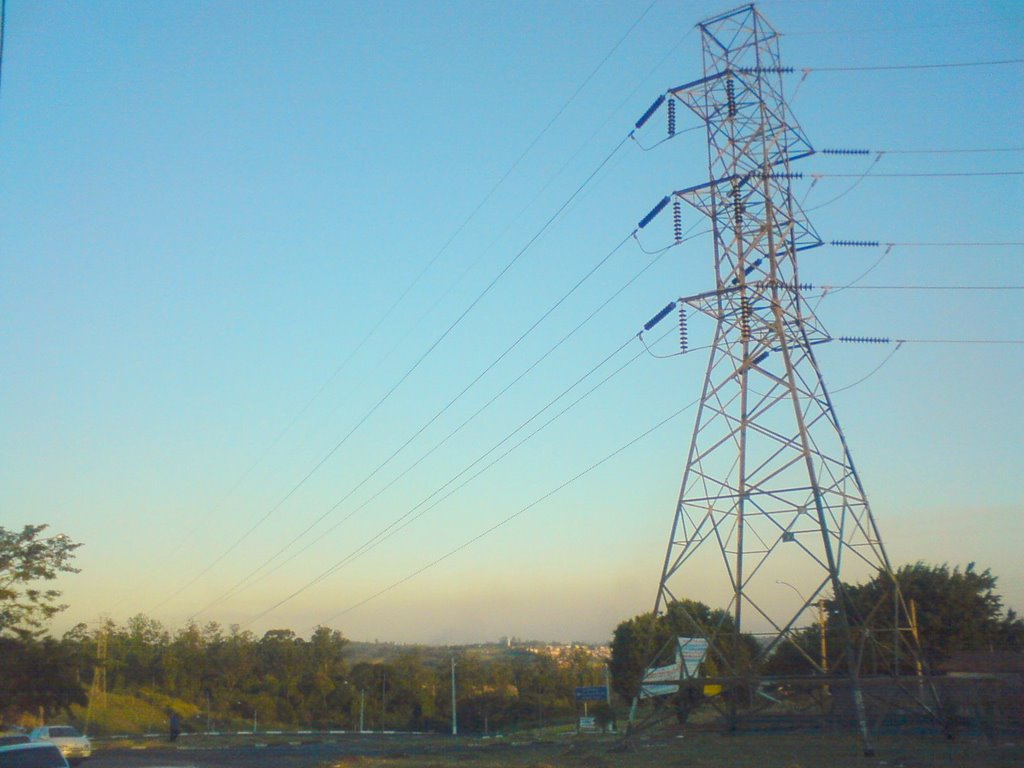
x=233, y=677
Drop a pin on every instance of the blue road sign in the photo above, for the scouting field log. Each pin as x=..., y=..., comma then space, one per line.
x=592, y=693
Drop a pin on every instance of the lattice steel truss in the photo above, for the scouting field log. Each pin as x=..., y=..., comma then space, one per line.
x=770, y=493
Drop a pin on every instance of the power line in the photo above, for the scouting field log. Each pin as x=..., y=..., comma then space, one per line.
x=875, y=370
x=3, y=24
x=919, y=244
x=408, y=517
x=947, y=151
x=960, y=341
x=924, y=287
x=965, y=244
x=872, y=30
x=459, y=428
x=568, y=201
x=913, y=175
x=889, y=67
x=394, y=387
x=415, y=281
x=248, y=577
x=425, y=425
x=514, y=515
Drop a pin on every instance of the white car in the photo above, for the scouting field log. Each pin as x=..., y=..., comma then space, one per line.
x=73, y=745
x=35, y=754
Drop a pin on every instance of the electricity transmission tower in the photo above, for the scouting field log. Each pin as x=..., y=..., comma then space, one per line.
x=769, y=494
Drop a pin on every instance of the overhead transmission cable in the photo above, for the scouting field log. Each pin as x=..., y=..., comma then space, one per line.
x=489, y=367
x=408, y=288
x=917, y=174
x=597, y=170
x=940, y=65
x=522, y=510
x=876, y=369
x=910, y=287
x=408, y=517
x=944, y=151
x=409, y=371
x=902, y=29
x=252, y=578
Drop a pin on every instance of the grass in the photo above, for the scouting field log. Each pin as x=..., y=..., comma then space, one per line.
x=695, y=750
x=709, y=750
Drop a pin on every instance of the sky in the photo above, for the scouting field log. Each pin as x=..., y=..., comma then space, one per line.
x=260, y=262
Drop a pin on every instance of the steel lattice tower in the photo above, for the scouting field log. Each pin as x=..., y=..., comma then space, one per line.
x=769, y=491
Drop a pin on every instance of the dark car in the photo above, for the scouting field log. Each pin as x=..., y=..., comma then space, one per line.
x=35, y=754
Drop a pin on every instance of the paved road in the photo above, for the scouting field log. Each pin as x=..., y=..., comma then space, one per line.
x=285, y=755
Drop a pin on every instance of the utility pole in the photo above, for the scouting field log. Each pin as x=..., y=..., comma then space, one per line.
x=98, y=690
x=823, y=631
x=362, y=709
x=455, y=721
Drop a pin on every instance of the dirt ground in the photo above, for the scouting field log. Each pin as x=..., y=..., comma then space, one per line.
x=699, y=750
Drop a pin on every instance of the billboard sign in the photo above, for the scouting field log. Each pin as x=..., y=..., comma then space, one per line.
x=690, y=653
x=592, y=693
x=664, y=680
x=660, y=681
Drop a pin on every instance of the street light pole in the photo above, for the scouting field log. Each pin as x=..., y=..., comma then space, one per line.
x=455, y=721
x=822, y=623
x=362, y=709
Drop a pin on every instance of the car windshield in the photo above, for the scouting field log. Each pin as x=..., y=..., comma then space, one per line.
x=63, y=731
x=32, y=757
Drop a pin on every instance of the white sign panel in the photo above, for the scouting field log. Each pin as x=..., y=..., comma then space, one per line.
x=662, y=681
x=691, y=653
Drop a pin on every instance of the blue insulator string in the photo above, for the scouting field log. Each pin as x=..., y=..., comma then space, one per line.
x=650, y=111
x=766, y=70
x=844, y=151
x=864, y=339
x=660, y=316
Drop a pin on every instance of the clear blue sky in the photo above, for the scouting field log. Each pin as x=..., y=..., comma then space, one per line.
x=205, y=207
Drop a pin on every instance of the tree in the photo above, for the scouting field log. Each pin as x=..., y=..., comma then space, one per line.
x=957, y=610
x=26, y=558
x=38, y=674
x=637, y=641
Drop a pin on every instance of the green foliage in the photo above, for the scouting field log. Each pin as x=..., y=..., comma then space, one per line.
x=146, y=712
x=638, y=641
x=35, y=672
x=27, y=557
x=38, y=674
x=957, y=610
x=225, y=678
